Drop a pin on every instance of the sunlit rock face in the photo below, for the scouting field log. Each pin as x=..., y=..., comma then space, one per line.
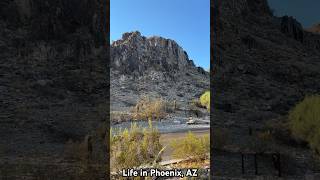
x=138, y=54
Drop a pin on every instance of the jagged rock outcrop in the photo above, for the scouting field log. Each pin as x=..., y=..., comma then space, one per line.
x=152, y=66
x=137, y=54
x=292, y=28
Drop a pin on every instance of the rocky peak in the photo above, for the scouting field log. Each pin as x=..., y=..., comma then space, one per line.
x=129, y=39
x=292, y=28
x=136, y=53
x=153, y=66
x=130, y=35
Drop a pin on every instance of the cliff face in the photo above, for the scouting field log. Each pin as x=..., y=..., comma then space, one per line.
x=153, y=66
x=53, y=77
x=137, y=54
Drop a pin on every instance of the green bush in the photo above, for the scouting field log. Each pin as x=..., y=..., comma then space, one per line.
x=304, y=121
x=205, y=100
x=197, y=148
x=134, y=147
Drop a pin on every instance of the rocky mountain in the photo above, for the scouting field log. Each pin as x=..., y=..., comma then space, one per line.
x=152, y=66
x=53, y=81
x=263, y=66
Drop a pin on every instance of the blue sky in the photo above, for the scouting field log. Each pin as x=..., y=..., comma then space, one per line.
x=186, y=22
x=307, y=12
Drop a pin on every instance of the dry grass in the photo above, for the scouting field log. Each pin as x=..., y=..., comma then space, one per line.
x=150, y=109
x=134, y=147
x=191, y=146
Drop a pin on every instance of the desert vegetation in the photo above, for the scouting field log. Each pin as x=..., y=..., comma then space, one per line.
x=192, y=147
x=137, y=147
x=205, y=100
x=134, y=147
x=304, y=121
x=152, y=108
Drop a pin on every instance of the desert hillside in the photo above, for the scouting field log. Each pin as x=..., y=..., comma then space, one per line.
x=53, y=83
x=263, y=66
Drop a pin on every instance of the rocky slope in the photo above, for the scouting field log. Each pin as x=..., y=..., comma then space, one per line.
x=263, y=66
x=53, y=77
x=152, y=66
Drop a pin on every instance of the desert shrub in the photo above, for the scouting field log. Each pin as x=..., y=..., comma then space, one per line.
x=197, y=148
x=148, y=108
x=205, y=100
x=84, y=155
x=134, y=147
x=170, y=106
x=304, y=121
x=220, y=138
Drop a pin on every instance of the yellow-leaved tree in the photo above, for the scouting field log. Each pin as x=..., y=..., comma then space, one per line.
x=205, y=100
